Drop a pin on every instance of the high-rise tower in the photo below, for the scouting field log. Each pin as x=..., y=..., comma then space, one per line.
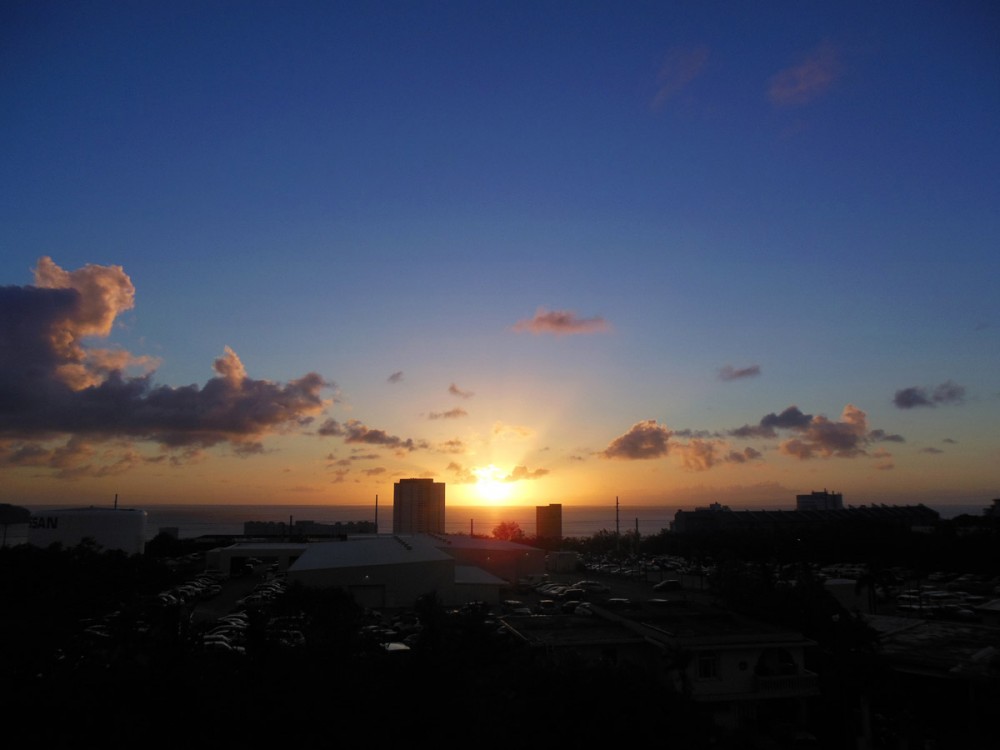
x=418, y=507
x=548, y=521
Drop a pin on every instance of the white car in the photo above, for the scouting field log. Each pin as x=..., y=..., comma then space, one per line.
x=595, y=587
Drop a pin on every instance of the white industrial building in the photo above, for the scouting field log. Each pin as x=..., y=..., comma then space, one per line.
x=109, y=528
x=393, y=570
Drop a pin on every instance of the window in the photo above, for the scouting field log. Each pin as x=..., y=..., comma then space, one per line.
x=708, y=665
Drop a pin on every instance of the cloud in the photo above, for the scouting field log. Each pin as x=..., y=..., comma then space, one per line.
x=454, y=390
x=946, y=393
x=452, y=446
x=53, y=386
x=817, y=436
x=730, y=373
x=521, y=473
x=455, y=413
x=560, y=323
x=741, y=457
x=681, y=66
x=396, y=377
x=353, y=431
x=75, y=459
x=643, y=440
x=512, y=431
x=698, y=455
x=823, y=437
x=932, y=450
x=881, y=436
x=461, y=475
x=702, y=455
x=804, y=82
x=792, y=418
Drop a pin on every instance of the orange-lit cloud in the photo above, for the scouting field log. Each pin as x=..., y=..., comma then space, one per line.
x=511, y=431
x=520, y=473
x=560, y=323
x=643, y=440
x=461, y=474
x=824, y=437
x=702, y=455
x=802, y=83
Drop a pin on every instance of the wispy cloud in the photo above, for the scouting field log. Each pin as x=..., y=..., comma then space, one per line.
x=396, y=377
x=946, y=393
x=732, y=373
x=881, y=436
x=521, y=473
x=353, y=431
x=512, y=431
x=803, y=82
x=560, y=323
x=681, y=66
x=461, y=474
x=454, y=390
x=455, y=413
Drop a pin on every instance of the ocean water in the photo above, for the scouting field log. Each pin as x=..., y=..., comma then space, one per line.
x=578, y=520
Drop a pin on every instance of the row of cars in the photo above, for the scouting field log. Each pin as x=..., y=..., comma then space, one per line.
x=570, y=598
x=199, y=588
x=229, y=632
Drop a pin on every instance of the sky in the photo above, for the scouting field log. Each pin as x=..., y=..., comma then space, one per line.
x=659, y=253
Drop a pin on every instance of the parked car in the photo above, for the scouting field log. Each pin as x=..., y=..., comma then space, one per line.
x=594, y=587
x=670, y=584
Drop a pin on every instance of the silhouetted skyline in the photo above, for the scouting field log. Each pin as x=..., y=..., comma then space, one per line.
x=544, y=253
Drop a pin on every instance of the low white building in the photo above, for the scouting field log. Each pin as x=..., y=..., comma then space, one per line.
x=109, y=528
x=394, y=570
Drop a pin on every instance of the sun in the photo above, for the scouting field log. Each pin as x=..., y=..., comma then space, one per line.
x=490, y=484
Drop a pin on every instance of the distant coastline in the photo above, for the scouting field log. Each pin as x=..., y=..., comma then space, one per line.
x=191, y=521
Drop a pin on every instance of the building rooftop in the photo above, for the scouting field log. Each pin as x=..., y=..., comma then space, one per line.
x=370, y=550
x=937, y=646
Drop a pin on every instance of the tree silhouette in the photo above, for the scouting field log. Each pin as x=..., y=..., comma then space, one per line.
x=508, y=531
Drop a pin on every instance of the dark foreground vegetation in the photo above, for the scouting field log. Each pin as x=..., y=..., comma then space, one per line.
x=90, y=651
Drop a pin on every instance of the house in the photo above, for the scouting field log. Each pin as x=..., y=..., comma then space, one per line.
x=740, y=671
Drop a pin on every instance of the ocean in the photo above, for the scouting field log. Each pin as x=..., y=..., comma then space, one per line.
x=192, y=521
x=578, y=521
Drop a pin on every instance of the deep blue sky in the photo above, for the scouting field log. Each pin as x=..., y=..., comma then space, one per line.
x=804, y=193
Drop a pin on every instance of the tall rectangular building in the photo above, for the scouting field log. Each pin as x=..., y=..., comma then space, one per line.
x=418, y=507
x=548, y=521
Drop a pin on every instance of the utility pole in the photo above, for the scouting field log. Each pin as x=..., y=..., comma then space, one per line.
x=618, y=534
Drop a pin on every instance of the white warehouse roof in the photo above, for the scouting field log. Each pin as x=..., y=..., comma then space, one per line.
x=369, y=551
